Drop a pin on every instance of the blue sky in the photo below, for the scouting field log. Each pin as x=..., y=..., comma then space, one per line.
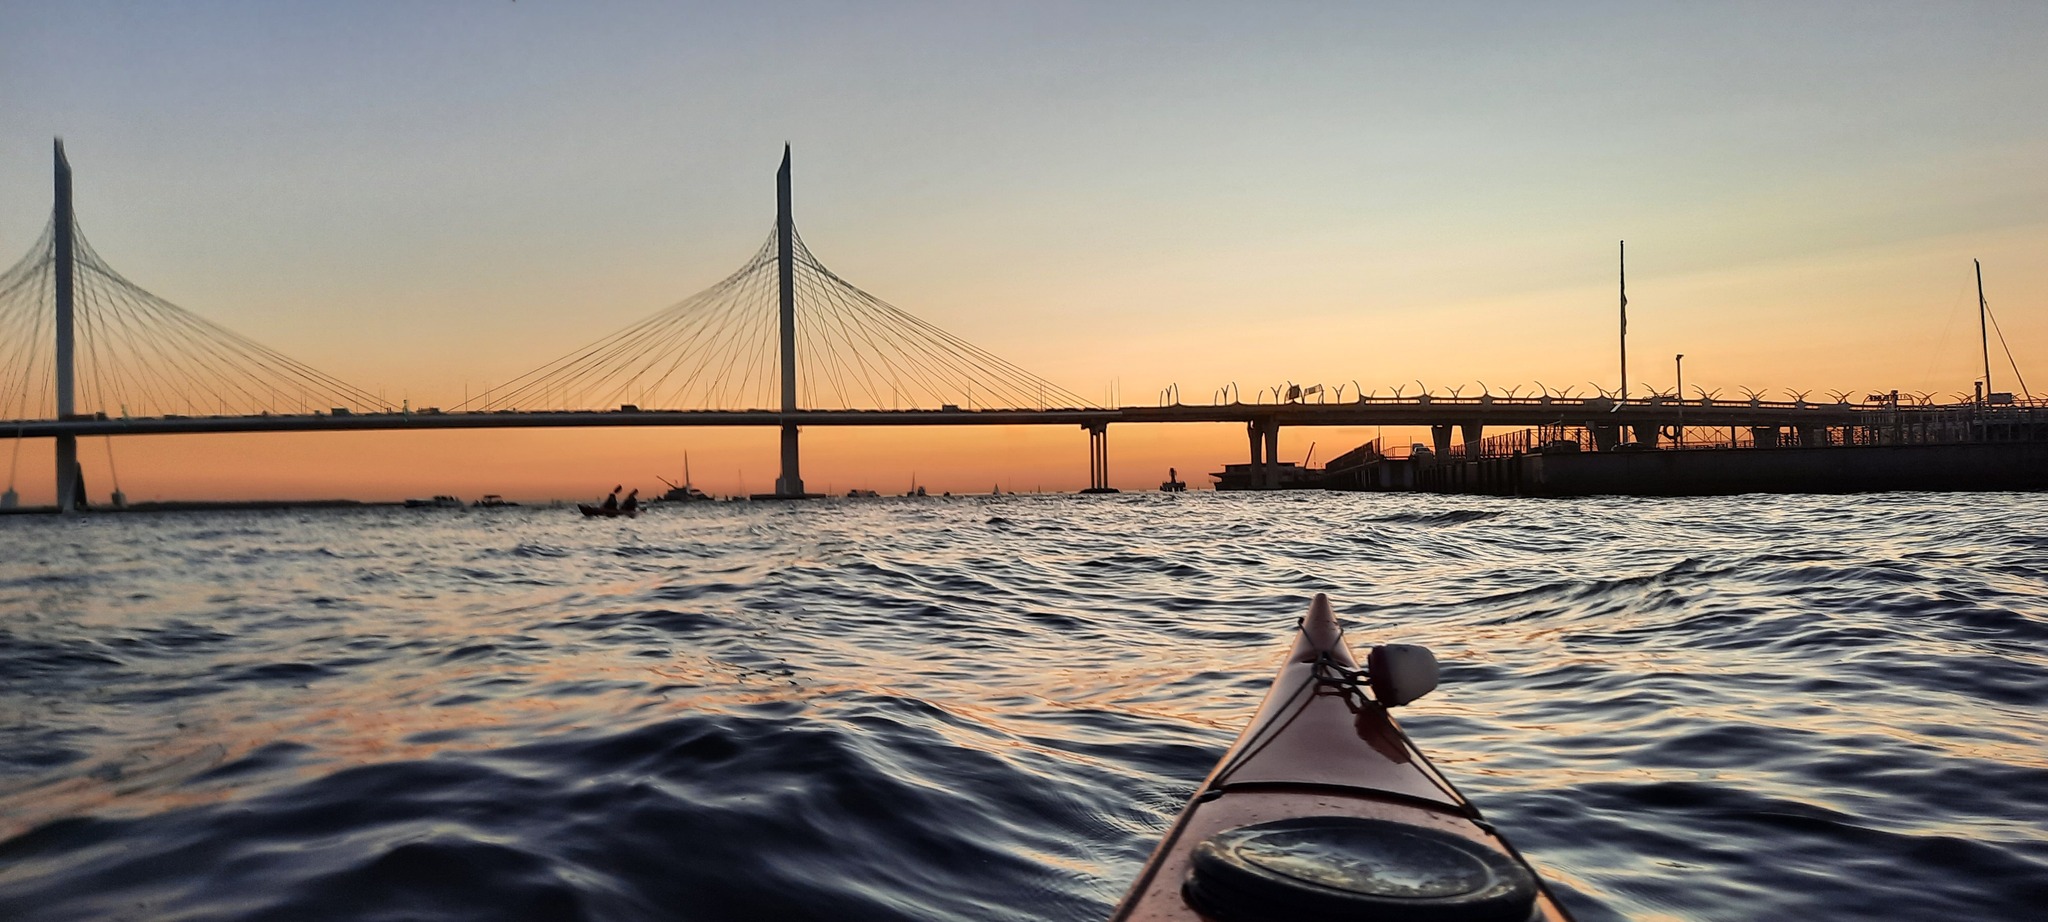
x=421, y=196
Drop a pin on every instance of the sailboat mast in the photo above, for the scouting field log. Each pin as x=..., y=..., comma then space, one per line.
x=1983, y=330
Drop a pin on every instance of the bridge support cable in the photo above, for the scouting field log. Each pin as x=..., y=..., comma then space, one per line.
x=28, y=375
x=720, y=350
x=140, y=355
x=133, y=354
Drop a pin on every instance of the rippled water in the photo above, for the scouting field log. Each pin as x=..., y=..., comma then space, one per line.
x=989, y=708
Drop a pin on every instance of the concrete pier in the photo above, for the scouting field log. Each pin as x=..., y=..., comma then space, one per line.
x=1440, y=440
x=791, y=482
x=1713, y=472
x=1271, y=473
x=1264, y=436
x=1258, y=453
x=1098, y=458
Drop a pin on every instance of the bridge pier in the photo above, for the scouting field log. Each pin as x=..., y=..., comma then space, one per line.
x=1763, y=436
x=1264, y=435
x=1271, y=479
x=1258, y=453
x=1098, y=458
x=1606, y=438
x=791, y=484
x=70, y=478
x=1473, y=433
x=1646, y=434
x=1440, y=440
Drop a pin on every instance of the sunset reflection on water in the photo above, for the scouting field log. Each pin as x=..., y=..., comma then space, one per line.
x=1647, y=697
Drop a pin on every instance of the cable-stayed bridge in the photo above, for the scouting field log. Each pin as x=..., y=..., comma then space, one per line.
x=782, y=342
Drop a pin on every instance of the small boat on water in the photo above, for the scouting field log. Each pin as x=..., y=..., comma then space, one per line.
x=682, y=492
x=1323, y=809
x=493, y=501
x=613, y=507
x=438, y=502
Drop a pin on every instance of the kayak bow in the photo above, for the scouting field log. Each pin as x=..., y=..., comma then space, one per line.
x=1323, y=809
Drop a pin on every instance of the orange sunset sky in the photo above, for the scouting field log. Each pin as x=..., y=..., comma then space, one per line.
x=428, y=200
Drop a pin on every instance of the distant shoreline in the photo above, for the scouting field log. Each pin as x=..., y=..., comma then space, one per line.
x=215, y=505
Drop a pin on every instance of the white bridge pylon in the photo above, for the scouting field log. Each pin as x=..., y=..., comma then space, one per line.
x=782, y=332
x=79, y=341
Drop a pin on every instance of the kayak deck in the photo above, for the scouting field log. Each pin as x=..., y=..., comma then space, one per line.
x=1322, y=753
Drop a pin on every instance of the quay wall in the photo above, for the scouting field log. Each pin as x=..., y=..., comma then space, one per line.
x=1847, y=469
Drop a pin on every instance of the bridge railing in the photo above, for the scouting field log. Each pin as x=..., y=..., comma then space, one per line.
x=1601, y=403
x=1890, y=426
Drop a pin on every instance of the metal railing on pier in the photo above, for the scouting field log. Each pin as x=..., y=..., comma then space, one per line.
x=2021, y=421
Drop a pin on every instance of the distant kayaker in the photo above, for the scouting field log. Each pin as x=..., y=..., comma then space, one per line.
x=632, y=502
x=611, y=502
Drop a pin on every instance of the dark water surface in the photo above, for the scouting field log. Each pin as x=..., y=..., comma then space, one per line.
x=989, y=708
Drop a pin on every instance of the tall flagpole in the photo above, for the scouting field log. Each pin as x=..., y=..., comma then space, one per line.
x=1624, y=321
x=1984, y=330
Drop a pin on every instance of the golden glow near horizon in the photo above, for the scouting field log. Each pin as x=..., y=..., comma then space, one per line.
x=1118, y=201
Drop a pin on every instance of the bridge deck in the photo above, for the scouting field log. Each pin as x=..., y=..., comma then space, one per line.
x=1515, y=413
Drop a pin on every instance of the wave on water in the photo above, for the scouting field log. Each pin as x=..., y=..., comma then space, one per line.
x=1446, y=517
x=990, y=707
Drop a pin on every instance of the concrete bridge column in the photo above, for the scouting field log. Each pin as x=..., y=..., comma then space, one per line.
x=70, y=477
x=1646, y=434
x=791, y=482
x=1255, y=435
x=1272, y=478
x=1440, y=440
x=1811, y=436
x=1474, y=433
x=1764, y=436
x=1606, y=438
x=1098, y=457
